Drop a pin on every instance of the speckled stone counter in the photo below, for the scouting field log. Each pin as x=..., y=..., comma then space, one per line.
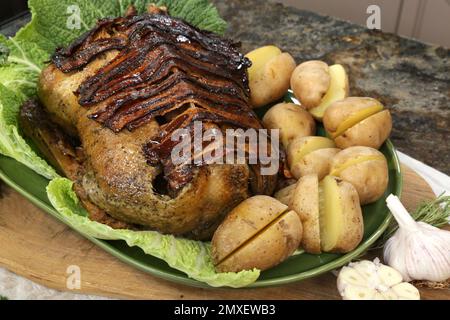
x=411, y=78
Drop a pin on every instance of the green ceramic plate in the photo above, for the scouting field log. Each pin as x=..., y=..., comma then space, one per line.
x=297, y=267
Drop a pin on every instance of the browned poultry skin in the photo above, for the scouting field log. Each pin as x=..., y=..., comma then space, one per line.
x=119, y=180
x=117, y=177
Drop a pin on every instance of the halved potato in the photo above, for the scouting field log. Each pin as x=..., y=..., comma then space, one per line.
x=371, y=132
x=357, y=121
x=291, y=119
x=268, y=248
x=310, y=81
x=269, y=75
x=365, y=168
x=259, y=233
x=310, y=155
x=341, y=221
x=244, y=222
x=305, y=201
x=338, y=90
x=259, y=58
x=343, y=114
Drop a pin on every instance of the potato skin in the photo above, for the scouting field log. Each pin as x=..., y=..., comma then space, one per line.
x=284, y=195
x=343, y=109
x=291, y=119
x=316, y=162
x=353, y=226
x=338, y=90
x=305, y=201
x=371, y=132
x=310, y=82
x=267, y=249
x=242, y=223
x=272, y=82
x=370, y=178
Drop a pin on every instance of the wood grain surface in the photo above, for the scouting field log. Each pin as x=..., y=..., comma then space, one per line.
x=40, y=248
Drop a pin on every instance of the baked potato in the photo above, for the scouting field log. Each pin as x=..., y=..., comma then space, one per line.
x=310, y=82
x=269, y=74
x=341, y=221
x=357, y=121
x=259, y=233
x=365, y=168
x=330, y=213
x=310, y=155
x=317, y=86
x=291, y=119
x=305, y=201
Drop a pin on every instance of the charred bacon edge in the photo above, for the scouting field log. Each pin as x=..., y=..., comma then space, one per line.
x=182, y=91
x=108, y=78
x=163, y=65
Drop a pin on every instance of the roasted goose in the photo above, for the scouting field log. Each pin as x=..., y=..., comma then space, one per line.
x=120, y=91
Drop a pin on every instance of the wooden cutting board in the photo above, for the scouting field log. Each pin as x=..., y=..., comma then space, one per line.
x=40, y=248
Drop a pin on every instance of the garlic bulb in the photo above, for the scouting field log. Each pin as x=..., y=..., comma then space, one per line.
x=417, y=250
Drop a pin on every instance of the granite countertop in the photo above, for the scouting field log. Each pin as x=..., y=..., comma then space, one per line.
x=411, y=78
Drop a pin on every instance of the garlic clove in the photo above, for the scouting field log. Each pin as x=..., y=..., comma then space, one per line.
x=389, y=276
x=349, y=276
x=359, y=293
x=378, y=296
x=389, y=295
x=406, y=291
x=365, y=268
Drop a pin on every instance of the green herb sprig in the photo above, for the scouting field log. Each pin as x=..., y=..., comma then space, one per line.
x=435, y=213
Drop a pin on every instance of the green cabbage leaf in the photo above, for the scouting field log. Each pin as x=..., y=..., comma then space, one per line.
x=188, y=256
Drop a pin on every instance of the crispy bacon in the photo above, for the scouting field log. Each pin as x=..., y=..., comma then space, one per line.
x=164, y=69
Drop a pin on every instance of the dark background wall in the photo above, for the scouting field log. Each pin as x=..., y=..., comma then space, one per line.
x=11, y=8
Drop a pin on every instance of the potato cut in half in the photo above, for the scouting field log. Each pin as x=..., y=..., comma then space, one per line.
x=329, y=211
x=358, y=121
x=259, y=233
x=269, y=75
x=305, y=201
x=338, y=90
x=244, y=222
x=370, y=132
x=365, y=168
x=259, y=58
x=271, y=246
x=356, y=118
x=341, y=221
x=310, y=155
x=310, y=82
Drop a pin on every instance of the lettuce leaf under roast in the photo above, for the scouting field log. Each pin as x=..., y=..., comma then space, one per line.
x=191, y=257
